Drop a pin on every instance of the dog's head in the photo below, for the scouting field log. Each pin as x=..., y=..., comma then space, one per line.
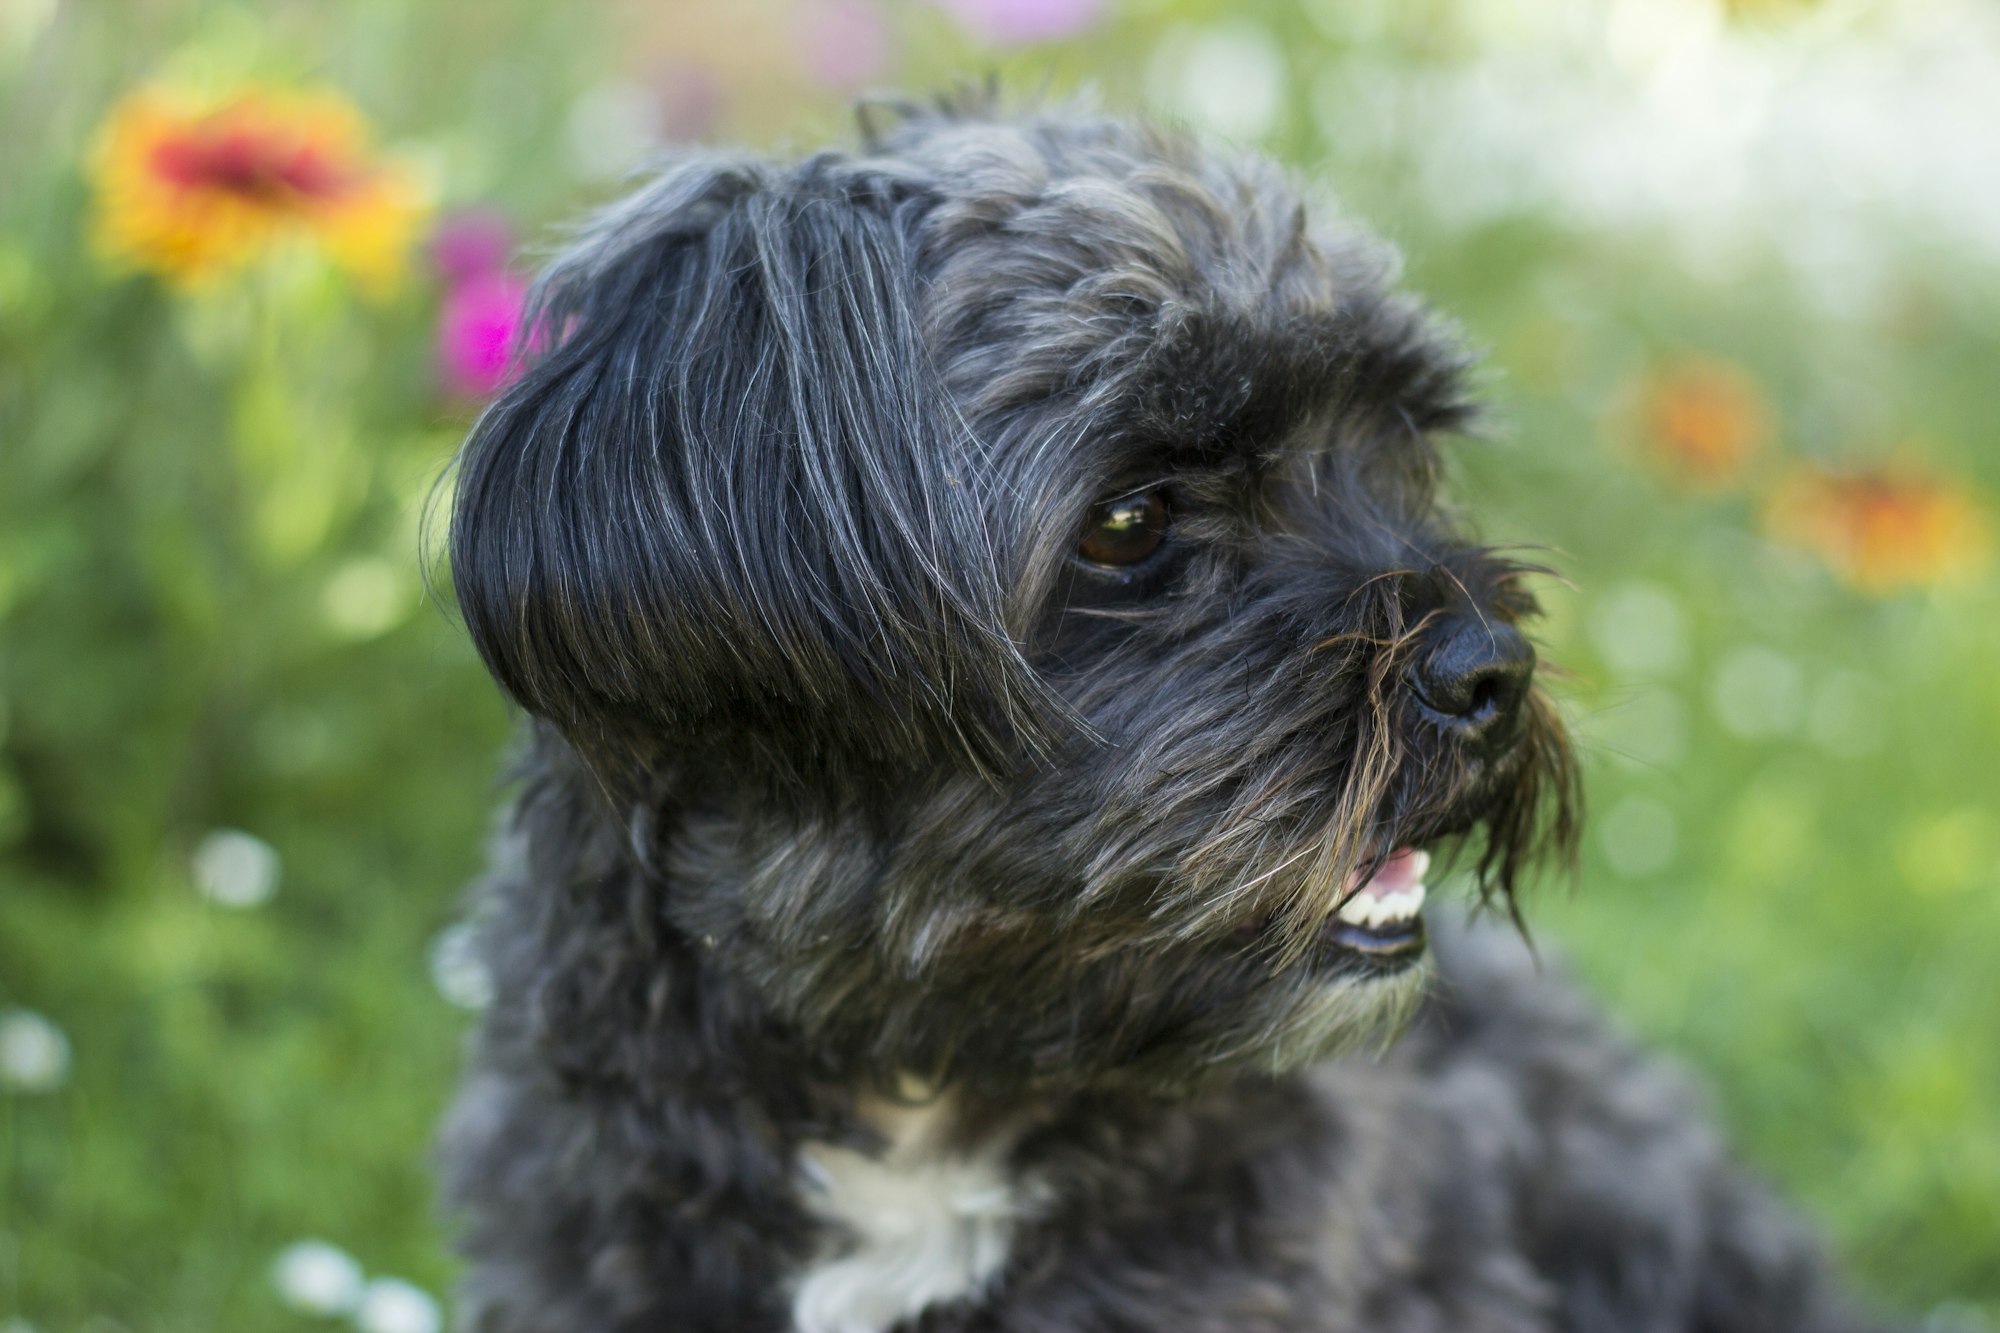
x=1001, y=578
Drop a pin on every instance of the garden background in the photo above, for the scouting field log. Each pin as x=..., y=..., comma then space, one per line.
x=1735, y=270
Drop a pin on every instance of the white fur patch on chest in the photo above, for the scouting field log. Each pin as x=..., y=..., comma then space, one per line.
x=920, y=1224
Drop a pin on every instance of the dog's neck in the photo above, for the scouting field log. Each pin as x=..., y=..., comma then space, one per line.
x=922, y=1218
x=783, y=1191
x=793, y=1197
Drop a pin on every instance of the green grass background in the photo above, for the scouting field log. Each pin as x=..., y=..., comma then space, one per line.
x=192, y=489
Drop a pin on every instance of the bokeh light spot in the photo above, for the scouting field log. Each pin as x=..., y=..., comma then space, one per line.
x=391, y=1305
x=1228, y=79
x=232, y=868
x=1639, y=629
x=457, y=970
x=34, y=1053
x=1758, y=692
x=317, y=1277
x=367, y=596
x=1948, y=852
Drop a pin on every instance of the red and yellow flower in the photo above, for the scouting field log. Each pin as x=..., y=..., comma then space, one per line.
x=192, y=188
x=1880, y=529
x=1702, y=421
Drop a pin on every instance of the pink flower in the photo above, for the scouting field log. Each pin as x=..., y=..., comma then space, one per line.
x=477, y=331
x=843, y=43
x=1018, y=22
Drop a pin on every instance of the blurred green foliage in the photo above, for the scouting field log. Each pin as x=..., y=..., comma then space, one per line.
x=213, y=615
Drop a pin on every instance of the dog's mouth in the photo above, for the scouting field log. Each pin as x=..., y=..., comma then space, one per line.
x=1376, y=927
x=1381, y=917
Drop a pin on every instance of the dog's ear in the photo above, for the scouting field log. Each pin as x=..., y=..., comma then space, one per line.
x=728, y=499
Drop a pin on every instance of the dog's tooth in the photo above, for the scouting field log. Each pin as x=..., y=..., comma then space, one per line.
x=1420, y=861
x=1372, y=910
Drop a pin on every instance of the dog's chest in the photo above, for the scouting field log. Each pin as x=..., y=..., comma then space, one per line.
x=920, y=1224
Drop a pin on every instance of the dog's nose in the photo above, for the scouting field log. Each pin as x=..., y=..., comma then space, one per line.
x=1474, y=679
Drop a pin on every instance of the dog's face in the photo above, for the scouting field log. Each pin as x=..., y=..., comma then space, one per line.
x=1001, y=581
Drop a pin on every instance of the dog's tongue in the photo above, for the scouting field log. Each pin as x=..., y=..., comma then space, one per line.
x=1401, y=873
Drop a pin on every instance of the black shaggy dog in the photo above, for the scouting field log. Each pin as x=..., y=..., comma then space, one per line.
x=997, y=664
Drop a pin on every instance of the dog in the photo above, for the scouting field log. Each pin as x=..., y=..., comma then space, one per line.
x=997, y=666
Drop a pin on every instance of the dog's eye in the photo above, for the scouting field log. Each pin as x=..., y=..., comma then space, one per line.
x=1124, y=531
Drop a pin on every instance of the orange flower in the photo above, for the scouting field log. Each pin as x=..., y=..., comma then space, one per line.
x=193, y=189
x=1880, y=529
x=1703, y=420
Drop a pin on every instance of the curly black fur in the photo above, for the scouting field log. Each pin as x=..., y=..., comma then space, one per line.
x=845, y=771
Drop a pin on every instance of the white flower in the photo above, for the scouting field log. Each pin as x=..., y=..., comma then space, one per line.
x=317, y=1278
x=457, y=970
x=34, y=1053
x=391, y=1305
x=235, y=869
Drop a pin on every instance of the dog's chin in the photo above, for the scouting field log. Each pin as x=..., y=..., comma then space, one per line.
x=1351, y=982
x=1343, y=1003
x=1351, y=986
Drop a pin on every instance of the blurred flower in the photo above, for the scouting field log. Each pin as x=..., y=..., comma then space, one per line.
x=317, y=1278
x=34, y=1053
x=1014, y=22
x=232, y=868
x=193, y=189
x=480, y=319
x=391, y=1305
x=1880, y=529
x=477, y=329
x=457, y=970
x=470, y=244
x=1703, y=420
x=843, y=43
